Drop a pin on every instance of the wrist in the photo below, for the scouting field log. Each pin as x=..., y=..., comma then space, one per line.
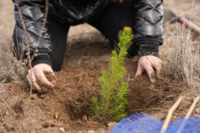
x=41, y=58
x=148, y=49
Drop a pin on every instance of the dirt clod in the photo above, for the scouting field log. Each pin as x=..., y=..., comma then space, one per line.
x=51, y=78
x=9, y=127
x=34, y=96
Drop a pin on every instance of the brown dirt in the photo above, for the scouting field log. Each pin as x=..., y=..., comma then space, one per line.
x=51, y=78
x=157, y=98
x=66, y=104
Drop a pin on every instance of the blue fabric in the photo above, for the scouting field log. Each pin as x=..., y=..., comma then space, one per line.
x=143, y=123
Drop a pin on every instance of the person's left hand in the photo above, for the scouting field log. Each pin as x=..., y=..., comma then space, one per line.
x=148, y=63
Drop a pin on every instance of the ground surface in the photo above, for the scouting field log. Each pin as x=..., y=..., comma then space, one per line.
x=87, y=53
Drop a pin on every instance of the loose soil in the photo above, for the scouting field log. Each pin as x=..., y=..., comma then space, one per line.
x=66, y=104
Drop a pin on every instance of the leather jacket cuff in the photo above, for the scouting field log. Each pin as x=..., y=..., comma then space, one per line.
x=148, y=49
x=41, y=58
x=145, y=40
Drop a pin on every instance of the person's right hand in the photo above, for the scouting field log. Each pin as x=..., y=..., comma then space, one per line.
x=147, y=63
x=37, y=73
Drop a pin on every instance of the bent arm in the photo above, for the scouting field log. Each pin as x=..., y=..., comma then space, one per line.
x=148, y=26
x=32, y=12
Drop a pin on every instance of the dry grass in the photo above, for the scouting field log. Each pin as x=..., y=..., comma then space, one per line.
x=181, y=57
x=9, y=67
x=6, y=23
x=181, y=47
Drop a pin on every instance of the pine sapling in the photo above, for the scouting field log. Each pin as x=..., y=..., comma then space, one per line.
x=111, y=104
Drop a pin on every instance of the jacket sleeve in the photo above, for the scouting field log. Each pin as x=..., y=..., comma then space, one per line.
x=33, y=15
x=147, y=26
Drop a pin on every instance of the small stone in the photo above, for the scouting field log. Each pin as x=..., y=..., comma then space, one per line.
x=62, y=129
x=90, y=131
x=41, y=96
x=112, y=124
x=198, y=110
x=7, y=113
x=152, y=87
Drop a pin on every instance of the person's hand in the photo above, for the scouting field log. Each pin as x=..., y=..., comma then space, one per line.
x=37, y=73
x=148, y=63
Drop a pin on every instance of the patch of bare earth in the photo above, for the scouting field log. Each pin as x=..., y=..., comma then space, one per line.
x=65, y=106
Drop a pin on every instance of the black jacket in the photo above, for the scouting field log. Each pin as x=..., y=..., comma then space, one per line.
x=147, y=24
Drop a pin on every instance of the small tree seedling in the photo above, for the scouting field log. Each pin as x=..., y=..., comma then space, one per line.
x=113, y=96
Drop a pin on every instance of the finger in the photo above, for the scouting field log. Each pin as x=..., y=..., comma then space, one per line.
x=29, y=80
x=139, y=71
x=41, y=77
x=159, y=70
x=150, y=73
x=33, y=81
x=158, y=67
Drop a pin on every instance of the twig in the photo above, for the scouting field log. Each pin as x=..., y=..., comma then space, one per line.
x=169, y=115
x=2, y=25
x=9, y=107
x=128, y=80
x=12, y=90
x=76, y=87
x=188, y=114
x=24, y=27
x=192, y=107
x=43, y=27
x=2, y=89
x=59, y=88
x=146, y=109
x=64, y=86
x=28, y=41
x=1, y=115
x=31, y=77
x=57, y=95
x=84, y=57
x=23, y=125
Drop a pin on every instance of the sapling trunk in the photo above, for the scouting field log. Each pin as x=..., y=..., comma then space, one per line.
x=113, y=97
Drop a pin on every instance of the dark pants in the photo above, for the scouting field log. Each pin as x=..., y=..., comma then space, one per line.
x=112, y=20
